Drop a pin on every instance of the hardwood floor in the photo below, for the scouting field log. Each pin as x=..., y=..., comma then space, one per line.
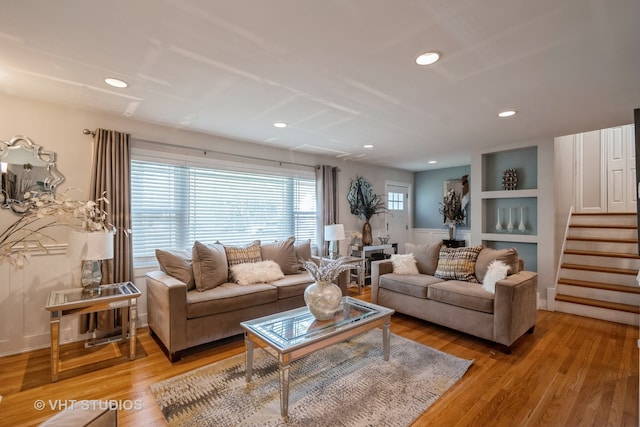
x=572, y=371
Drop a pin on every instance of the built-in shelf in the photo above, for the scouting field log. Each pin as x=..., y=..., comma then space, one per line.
x=510, y=237
x=500, y=207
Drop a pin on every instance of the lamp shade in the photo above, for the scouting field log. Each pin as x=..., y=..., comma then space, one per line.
x=90, y=246
x=334, y=232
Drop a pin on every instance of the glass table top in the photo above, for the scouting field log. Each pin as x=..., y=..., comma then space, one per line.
x=294, y=327
x=68, y=298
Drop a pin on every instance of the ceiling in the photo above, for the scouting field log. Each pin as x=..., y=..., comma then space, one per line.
x=341, y=73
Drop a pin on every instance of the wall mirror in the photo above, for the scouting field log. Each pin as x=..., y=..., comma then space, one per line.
x=26, y=167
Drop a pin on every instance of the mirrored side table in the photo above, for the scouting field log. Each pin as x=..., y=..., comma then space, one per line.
x=75, y=301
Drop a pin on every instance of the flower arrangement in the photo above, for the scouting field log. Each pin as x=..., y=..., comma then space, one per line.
x=327, y=271
x=45, y=212
x=451, y=208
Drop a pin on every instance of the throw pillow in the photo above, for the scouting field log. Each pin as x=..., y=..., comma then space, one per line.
x=303, y=252
x=497, y=270
x=209, y=265
x=458, y=264
x=177, y=264
x=256, y=272
x=243, y=254
x=284, y=253
x=426, y=256
x=404, y=264
x=487, y=255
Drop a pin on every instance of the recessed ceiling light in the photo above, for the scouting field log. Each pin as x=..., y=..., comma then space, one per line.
x=507, y=113
x=433, y=162
x=116, y=82
x=280, y=124
x=368, y=146
x=428, y=58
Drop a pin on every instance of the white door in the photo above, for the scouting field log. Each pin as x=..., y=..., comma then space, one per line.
x=398, y=216
x=621, y=194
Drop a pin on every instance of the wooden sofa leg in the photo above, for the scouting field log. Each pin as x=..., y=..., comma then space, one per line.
x=175, y=357
x=530, y=331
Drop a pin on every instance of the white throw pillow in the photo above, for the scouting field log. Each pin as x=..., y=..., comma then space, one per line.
x=497, y=270
x=404, y=264
x=256, y=272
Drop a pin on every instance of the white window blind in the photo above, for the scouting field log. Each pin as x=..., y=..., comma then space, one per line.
x=174, y=205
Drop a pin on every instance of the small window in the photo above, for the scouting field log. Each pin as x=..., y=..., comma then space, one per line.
x=395, y=201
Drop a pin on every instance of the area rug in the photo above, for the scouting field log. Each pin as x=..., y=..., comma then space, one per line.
x=348, y=384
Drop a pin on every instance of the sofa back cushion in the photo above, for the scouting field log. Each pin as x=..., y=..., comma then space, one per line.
x=209, y=265
x=177, y=264
x=487, y=255
x=303, y=252
x=283, y=253
x=458, y=263
x=426, y=256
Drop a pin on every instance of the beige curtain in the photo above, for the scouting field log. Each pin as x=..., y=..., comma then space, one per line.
x=111, y=177
x=327, y=181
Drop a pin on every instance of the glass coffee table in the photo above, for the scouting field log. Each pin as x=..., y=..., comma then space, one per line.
x=293, y=334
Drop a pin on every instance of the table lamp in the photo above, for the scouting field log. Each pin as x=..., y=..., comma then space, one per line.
x=333, y=233
x=91, y=248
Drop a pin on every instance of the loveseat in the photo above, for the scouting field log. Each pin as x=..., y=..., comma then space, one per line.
x=203, y=296
x=448, y=289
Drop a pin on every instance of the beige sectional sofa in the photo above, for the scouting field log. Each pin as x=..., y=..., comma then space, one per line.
x=203, y=296
x=444, y=291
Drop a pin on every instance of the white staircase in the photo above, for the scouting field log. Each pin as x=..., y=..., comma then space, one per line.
x=599, y=268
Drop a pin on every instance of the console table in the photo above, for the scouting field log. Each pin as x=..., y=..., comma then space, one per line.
x=365, y=253
x=76, y=301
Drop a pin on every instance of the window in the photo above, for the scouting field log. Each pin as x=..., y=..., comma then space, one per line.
x=174, y=205
x=395, y=201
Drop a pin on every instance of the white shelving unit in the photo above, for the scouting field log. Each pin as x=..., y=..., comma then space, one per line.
x=500, y=207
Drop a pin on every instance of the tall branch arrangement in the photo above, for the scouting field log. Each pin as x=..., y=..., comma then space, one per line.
x=46, y=212
x=451, y=208
x=363, y=201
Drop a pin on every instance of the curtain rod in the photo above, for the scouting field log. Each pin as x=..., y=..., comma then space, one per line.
x=205, y=151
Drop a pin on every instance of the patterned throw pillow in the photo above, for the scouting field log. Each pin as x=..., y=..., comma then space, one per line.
x=458, y=264
x=242, y=254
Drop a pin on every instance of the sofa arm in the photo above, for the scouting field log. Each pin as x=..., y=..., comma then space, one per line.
x=378, y=268
x=167, y=310
x=515, y=306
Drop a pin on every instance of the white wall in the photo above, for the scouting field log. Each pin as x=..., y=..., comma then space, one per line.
x=23, y=292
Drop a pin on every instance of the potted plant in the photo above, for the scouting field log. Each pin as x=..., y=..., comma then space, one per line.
x=365, y=204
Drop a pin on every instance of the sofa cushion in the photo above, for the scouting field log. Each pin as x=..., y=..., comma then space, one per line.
x=242, y=254
x=413, y=285
x=177, y=264
x=426, y=256
x=458, y=263
x=487, y=255
x=303, y=252
x=229, y=297
x=292, y=285
x=209, y=265
x=284, y=253
x=462, y=294
x=404, y=264
x=256, y=272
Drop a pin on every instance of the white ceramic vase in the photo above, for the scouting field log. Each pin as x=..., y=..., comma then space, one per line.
x=323, y=299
